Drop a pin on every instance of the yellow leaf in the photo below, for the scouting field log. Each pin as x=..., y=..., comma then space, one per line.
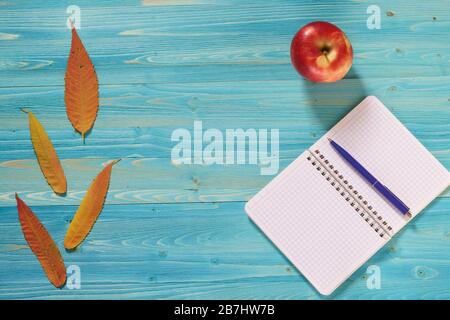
x=42, y=245
x=89, y=210
x=81, y=87
x=46, y=156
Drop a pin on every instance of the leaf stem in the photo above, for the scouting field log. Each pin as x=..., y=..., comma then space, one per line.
x=117, y=160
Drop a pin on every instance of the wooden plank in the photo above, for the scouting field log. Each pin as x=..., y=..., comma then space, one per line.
x=136, y=123
x=189, y=251
x=219, y=42
x=180, y=231
x=142, y=180
x=138, y=120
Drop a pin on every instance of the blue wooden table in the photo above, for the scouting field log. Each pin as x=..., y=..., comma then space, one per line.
x=180, y=231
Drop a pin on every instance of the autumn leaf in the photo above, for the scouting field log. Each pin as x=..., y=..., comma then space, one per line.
x=42, y=245
x=90, y=208
x=81, y=87
x=46, y=156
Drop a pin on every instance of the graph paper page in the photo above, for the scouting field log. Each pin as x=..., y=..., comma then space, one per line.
x=377, y=139
x=313, y=225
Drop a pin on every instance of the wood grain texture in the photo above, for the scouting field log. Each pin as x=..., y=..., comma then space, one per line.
x=180, y=231
x=228, y=40
x=213, y=251
x=137, y=120
x=141, y=180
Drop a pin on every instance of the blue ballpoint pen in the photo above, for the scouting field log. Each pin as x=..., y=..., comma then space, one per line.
x=377, y=185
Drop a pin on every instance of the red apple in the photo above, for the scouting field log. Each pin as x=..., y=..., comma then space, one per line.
x=321, y=52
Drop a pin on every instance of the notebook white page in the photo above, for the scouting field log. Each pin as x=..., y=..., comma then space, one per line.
x=325, y=237
x=380, y=142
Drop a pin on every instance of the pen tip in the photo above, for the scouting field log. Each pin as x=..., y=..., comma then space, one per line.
x=409, y=214
x=329, y=139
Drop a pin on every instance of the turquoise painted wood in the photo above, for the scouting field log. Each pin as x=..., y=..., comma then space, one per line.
x=210, y=250
x=180, y=231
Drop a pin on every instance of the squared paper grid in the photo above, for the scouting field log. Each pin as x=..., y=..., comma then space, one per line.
x=393, y=155
x=347, y=191
x=396, y=156
x=325, y=245
x=278, y=208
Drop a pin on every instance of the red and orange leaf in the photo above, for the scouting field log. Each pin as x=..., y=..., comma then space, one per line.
x=46, y=155
x=89, y=210
x=81, y=87
x=42, y=245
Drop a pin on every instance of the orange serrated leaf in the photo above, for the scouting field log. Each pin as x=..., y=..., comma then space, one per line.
x=90, y=208
x=81, y=87
x=46, y=155
x=42, y=245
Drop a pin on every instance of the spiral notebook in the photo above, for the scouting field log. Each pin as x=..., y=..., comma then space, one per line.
x=324, y=217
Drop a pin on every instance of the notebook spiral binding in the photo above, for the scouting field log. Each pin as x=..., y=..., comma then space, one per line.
x=351, y=195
